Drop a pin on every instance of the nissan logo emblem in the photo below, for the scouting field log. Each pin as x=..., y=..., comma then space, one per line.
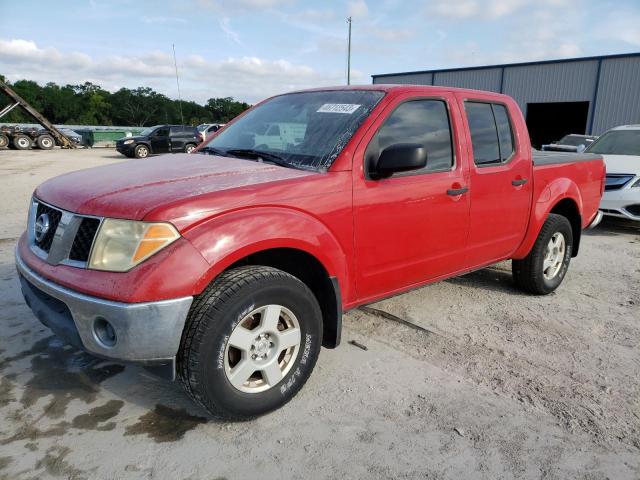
x=42, y=226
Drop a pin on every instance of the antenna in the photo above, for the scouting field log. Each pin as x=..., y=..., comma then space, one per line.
x=349, y=53
x=175, y=63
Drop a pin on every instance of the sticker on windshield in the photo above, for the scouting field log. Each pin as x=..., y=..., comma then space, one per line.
x=348, y=108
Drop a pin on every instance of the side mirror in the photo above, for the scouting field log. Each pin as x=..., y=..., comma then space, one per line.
x=401, y=157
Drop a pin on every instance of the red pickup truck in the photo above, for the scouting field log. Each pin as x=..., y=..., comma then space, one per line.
x=230, y=267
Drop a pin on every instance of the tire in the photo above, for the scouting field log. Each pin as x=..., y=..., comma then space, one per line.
x=188, y=148
x=22, y=142
x=543, y=270
x=45, y=142
x=4, y=140
x=141, y=151
x=220, y=314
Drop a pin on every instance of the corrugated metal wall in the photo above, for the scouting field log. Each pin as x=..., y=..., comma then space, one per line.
x=558, y=82
x=485, y=79
x=406, y=79
x=618, y=101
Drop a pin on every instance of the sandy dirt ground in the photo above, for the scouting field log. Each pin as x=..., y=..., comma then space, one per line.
x=497, y=385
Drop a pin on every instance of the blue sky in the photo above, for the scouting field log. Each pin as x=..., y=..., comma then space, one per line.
x=250, y=49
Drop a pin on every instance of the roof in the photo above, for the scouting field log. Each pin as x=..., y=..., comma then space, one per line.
x=392, y=87
x=627, y=127
x=522, y=64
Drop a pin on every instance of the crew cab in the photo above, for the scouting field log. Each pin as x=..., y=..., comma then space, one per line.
x=160, y=139
x=229, y=268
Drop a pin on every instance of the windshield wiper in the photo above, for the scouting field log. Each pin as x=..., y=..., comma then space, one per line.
x=258, y=154
x=213, y=151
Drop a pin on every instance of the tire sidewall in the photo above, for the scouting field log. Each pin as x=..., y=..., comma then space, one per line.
x=22, y=139
x=140, y=148
x=565, y=229
x=211, y=372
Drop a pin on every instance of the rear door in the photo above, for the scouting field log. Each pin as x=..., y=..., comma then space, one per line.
x=500, y=182
x=160, y=140
x=413, y=226
x=178, y=139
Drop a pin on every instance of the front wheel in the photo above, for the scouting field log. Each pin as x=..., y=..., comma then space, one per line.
x=250, y=343
x=543, y=270
x=141, y=151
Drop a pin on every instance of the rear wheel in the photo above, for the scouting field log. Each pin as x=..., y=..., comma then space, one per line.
x=141, y=151
x=45, y=142
x=189, y=147
x=4, y=140
x=22, y=142
x=543, y=270
x=251, y=341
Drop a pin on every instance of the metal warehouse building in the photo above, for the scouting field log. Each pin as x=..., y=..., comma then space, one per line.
x=579, y=95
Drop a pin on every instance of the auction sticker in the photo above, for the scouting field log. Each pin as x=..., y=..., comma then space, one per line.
x=348, y=108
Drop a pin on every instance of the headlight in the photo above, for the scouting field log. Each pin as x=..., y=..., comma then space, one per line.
x=128, y=142
x=120, y=245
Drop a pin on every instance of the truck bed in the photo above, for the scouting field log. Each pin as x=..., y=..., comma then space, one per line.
x=549, y=158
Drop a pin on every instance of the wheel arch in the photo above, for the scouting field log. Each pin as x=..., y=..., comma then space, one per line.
x=289, y=240
x=562, y=196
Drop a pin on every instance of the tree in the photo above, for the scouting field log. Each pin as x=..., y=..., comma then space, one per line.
x=90, y=104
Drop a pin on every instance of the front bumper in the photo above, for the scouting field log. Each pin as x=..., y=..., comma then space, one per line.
x=147, y=333
x=624, y=203
x=126, y=149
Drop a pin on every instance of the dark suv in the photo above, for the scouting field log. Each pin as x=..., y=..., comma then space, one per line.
x=160, y=139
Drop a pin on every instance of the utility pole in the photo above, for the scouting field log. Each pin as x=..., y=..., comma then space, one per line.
x=349, y=53
x=175, y=63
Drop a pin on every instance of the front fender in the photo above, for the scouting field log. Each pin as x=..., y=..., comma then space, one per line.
x=227, y=238
x=557, y=190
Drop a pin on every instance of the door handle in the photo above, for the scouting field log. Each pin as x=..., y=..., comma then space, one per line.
x=457, y=191
x=520, y=181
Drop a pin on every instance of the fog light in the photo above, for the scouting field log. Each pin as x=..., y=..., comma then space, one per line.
x=104, y=332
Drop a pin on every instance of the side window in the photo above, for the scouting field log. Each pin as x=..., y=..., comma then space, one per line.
x=177, y=131
x=425, y=122
x=505, y=134
x=161, y=132
x=491, y=133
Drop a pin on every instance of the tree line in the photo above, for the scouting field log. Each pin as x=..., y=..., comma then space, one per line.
x=90, y=104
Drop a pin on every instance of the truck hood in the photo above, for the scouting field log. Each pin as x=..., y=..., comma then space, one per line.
x=132, y=189
x=622, y=163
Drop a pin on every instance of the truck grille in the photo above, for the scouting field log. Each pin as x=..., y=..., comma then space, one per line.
x=616, y=181
x=69, y=238
x=84, y=239
x=54, y=216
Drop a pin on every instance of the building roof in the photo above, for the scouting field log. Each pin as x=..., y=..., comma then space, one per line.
x=504, y=65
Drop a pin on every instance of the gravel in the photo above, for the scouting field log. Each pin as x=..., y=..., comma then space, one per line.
x=492, y=384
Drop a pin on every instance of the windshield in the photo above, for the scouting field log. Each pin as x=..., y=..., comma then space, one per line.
x=202, y=127
x=147, y=131
x=305, y=130
x=574, y=140
x=617, y=142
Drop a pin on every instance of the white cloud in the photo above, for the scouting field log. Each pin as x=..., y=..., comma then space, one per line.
x=225, y=25
x=245, y=78
x=488, y=9
x=621, y=25
x=358, y=9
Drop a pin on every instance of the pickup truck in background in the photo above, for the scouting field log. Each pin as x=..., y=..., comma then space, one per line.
x=230, y=268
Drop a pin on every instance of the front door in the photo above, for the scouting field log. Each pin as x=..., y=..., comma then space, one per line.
x=413, y=226
x=500, y=183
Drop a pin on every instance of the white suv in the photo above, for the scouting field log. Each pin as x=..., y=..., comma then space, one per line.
x=620, y=148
